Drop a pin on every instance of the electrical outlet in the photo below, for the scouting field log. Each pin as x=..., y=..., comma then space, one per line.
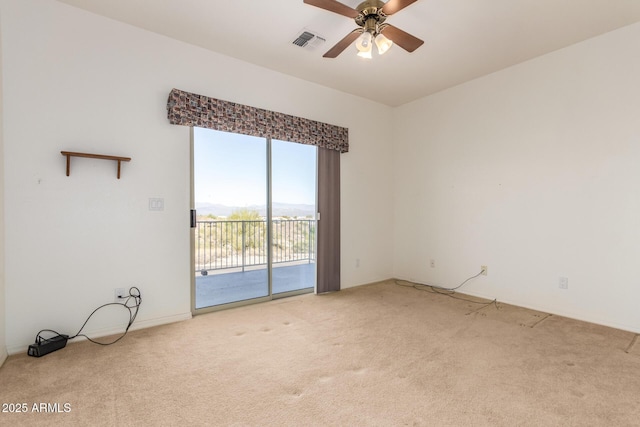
x=432, y=263
x=120, y=294
x=483, y=270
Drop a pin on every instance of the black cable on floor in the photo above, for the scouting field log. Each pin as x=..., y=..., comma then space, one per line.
x=131, y=303
x=449, y=292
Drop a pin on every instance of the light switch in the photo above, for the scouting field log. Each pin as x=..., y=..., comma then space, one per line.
x=156, y=204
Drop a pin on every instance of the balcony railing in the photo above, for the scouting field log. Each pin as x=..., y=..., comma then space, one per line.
x=240, y=244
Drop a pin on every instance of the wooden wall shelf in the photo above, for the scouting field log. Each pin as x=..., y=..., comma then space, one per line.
x=71, y=154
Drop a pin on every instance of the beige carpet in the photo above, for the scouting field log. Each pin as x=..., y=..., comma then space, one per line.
x=381, y=354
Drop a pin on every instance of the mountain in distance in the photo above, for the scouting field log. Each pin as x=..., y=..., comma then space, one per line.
x=279, y=209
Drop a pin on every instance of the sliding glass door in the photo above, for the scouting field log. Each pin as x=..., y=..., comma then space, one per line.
x=254, y=222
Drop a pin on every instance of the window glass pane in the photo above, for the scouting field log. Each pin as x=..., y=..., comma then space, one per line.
x=293, y=187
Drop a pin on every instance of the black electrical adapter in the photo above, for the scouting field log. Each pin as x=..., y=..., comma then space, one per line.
x=46, y=346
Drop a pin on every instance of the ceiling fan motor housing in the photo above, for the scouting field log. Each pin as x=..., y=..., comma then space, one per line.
x=371, y=16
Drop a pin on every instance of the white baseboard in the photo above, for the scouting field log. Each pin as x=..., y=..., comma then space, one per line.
x=142, y=324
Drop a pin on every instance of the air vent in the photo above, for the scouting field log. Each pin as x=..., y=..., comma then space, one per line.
x=308, y=39
x=304, y=39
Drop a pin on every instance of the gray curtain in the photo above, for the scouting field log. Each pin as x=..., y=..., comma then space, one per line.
x=328, y=257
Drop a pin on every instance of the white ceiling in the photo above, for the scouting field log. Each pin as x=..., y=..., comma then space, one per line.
x=464, y=39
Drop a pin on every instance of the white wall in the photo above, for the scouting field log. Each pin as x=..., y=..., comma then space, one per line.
x=532, y=171
x=3, y=339
x=76, y=81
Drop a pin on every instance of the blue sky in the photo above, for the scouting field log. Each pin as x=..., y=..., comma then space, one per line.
x=230, y=169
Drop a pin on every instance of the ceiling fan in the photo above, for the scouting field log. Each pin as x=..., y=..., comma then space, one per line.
x=370, y=16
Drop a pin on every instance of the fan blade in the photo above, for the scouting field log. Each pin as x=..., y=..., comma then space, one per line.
x=343, y=44
x=393, y=6
x=401, y=38
x=334, y=6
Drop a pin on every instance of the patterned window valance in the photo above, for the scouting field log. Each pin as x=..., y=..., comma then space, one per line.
x=190, y=109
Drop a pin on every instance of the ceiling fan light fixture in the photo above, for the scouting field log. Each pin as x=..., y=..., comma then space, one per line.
x=365, y=54
x=363, y=43
x=383, y=43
